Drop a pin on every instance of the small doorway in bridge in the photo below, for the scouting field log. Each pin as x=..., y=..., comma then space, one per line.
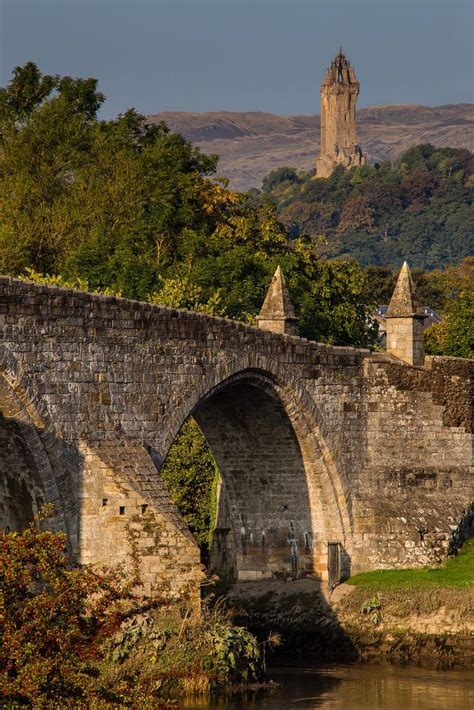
x=334, y=564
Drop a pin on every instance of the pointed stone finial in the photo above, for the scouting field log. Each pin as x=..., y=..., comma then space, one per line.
x=277, y=313
x=404, y=301
x=404, y=321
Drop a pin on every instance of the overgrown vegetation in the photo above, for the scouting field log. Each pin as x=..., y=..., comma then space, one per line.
x=190, y=473
x=82, y=638
x=418, y=208
x=457, y=571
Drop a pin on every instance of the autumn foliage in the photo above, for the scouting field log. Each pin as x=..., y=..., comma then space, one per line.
x=54, y=621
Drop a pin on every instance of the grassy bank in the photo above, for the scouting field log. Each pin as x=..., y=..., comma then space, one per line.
x=409, y=616
x=455, y=572
x=416, y=616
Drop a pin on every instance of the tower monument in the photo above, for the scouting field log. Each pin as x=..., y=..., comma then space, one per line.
x=339, y=92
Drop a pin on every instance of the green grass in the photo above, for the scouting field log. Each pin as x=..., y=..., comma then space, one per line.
x=455, y=572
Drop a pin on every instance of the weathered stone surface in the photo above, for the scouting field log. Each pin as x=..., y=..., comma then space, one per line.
x=404, y=321
x=339, y=92
x=314, y=443
x=404, y=302
x=277, y=313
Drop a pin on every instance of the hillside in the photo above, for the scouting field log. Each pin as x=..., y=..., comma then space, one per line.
x=251, y=144
x=418, y=208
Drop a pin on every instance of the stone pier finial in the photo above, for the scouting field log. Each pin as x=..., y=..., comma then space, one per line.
x=277, y=313
x=404, y=321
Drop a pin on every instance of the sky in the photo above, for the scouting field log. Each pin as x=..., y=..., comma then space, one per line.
x=244, y=55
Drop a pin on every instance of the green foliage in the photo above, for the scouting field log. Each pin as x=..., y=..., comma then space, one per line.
x=166, y=655
x=455, y=334
x=457, y=571
x=189, y=472
x=182, y=292
x=381, y=282
x=130, y=208
x=372, y=607
x=279, y=176
x=61, y=282
x=418, y=208
x=236, y=653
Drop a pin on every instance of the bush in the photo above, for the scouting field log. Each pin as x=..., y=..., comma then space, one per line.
x=80, y=637
x=54, y=621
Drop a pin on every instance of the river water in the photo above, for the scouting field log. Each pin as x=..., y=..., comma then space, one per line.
x=357, y=687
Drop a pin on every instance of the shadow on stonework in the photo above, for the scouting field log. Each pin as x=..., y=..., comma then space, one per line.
x=300, y=613
x=32, y=474
x=464, y=530
x=263, y=525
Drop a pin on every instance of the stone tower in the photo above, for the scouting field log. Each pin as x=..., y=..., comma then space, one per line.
x=339, y=92
x=277, y=313
x=404, y=321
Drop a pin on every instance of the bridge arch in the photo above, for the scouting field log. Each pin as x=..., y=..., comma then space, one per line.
x=29, y=450
x=281, y=498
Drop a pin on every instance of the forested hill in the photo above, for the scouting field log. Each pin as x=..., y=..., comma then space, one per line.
x=418, y=208
x=251, y=144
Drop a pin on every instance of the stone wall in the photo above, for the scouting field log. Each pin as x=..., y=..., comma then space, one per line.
x=405, y=339
x=314, y=443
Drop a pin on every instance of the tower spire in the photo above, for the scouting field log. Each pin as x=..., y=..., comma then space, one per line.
x=404, y=301
x=404, y=320
x=277, y=312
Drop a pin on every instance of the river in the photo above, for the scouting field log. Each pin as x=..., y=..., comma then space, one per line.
x=357, y=687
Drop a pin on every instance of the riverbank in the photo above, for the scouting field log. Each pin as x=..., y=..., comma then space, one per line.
x=422, y=617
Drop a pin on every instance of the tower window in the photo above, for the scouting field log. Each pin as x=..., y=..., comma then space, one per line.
x=122, y=510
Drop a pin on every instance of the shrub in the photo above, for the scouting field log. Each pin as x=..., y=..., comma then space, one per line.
x=55, y=620
x=80, y=637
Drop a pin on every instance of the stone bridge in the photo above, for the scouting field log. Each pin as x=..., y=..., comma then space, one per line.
x=314, y=443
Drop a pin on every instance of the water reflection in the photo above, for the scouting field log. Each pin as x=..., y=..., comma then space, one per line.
x=357, y=688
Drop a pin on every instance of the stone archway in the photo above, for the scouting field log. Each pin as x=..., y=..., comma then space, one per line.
x=280, y=499
x=27, y=473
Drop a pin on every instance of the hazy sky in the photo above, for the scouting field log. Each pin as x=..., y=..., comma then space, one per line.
x=270, y=55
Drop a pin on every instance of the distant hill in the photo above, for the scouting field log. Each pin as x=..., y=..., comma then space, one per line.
x=251, y=144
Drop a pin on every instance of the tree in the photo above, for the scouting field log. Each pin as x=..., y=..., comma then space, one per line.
x=418, y=208
x=190, y=474
x=455, y=334
x=46, y=132
x=278, y=176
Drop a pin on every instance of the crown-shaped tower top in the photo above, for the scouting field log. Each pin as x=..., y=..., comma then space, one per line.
x=340, y=71
x=404, y=302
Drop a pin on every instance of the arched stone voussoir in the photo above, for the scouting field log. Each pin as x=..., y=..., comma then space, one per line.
x=29, y=452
